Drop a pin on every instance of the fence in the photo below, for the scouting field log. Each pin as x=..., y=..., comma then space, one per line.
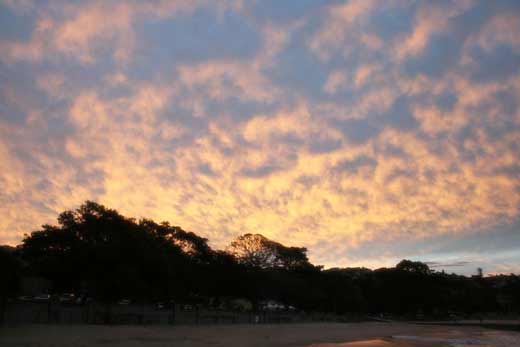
x=94, y=313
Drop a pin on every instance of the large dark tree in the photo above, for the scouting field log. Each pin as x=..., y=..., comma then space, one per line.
x=10, y=276
x=413, y=267
x=10, y=270
x=257, y=251
x=95, y=249
x=99, y=252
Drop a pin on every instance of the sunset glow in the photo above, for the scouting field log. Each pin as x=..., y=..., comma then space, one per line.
x=366, y=131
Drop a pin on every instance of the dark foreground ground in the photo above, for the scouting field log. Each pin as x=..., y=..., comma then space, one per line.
x=253, y=335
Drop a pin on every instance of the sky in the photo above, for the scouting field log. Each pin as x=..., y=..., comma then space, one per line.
x=366, y=131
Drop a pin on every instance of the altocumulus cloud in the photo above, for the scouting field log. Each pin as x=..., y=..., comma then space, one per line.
x=367, y=132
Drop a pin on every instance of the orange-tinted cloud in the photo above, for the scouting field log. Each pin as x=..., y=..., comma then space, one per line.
x=340, y=130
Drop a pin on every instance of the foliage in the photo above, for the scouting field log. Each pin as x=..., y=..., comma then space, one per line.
x=257, y=251
x=97, y=252
x=10, y=270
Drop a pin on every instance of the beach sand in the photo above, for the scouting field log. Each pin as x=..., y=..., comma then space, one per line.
x=329, y=335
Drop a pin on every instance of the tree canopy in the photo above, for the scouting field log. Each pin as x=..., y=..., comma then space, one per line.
x=97, y=252
x=257, y=251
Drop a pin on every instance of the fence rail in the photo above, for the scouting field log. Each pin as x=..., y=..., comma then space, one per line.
x=95, y=313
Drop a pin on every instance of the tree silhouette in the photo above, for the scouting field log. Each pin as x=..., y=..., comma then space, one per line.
x=254, y=250
x=10, y=268
x=413, y=266
x=257, y=251
x=96, y=251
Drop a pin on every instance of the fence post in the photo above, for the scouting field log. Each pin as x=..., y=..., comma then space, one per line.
x=85, y=314
x=3, y=309
x=49, y=311
x=141, y=315
x=172, y=321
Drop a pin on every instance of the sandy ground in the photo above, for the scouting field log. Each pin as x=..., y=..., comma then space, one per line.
x=228, y=336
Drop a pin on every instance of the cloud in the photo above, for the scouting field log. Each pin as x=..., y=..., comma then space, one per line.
x=434, y=264
x=363, y=131
x=335, y=80
x=92, y=29
x=214, y=77
x=355, y=165
x=430, y=19
x=340, y=19
x=79, y=35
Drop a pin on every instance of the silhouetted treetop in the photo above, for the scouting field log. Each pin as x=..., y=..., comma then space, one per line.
x=99, y=253
x=257, y=251
x=413, y=266
x=189, y=242
x=253, y=250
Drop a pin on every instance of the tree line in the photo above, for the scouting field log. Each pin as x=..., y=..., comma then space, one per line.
x=96, y=252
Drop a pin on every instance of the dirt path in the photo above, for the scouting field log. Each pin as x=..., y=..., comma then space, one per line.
x=195, y=336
